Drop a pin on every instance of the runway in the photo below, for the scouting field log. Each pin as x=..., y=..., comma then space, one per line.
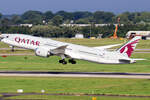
x=69, y=94
x=18, y=54
x=76, y=74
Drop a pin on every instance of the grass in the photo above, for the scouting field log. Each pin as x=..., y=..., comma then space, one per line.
x=90, y=42
x=3, y=45
x=34, y=63
x=137, y=87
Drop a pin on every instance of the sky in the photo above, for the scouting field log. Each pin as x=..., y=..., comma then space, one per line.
x=115, y=6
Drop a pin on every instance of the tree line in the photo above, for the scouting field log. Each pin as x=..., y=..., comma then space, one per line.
x=48, y=24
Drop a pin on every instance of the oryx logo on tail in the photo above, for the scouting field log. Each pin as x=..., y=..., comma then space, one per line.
x=129, y=47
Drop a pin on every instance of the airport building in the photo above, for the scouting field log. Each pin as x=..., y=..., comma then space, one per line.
x=79, y=36
x=144, y=34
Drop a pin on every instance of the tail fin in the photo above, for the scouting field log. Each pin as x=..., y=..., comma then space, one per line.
x=128, y=48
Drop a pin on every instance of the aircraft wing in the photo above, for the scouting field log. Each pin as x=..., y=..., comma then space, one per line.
x=130, y=61
x=107, y=46
x=59, y=50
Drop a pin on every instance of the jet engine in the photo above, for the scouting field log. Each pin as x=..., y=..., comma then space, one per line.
x=42, y=52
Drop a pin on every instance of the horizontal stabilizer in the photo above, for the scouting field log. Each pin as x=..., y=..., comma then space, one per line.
x=107, y=46
x=139, y=59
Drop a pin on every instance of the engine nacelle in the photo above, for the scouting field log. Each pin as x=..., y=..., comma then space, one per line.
x=42, y=52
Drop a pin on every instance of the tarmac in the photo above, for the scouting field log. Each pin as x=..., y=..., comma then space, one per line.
x=76, y=74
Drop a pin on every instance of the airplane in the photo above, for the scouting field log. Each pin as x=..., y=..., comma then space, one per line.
x=45, y=47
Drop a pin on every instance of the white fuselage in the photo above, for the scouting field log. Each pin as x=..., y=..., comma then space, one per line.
x=72, y=50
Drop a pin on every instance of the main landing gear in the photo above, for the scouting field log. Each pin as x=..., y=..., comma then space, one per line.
x=12, y=48
x=72, y=61
x=63, y=61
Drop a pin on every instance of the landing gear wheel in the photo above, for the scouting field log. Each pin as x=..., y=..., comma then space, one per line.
x=12, y=49
x=62, y=61
x=72, y=61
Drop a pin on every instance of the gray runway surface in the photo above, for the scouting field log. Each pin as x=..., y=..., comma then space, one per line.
x=14, y=49
x=18, y=54
x=69, y=94
x=76, y=74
